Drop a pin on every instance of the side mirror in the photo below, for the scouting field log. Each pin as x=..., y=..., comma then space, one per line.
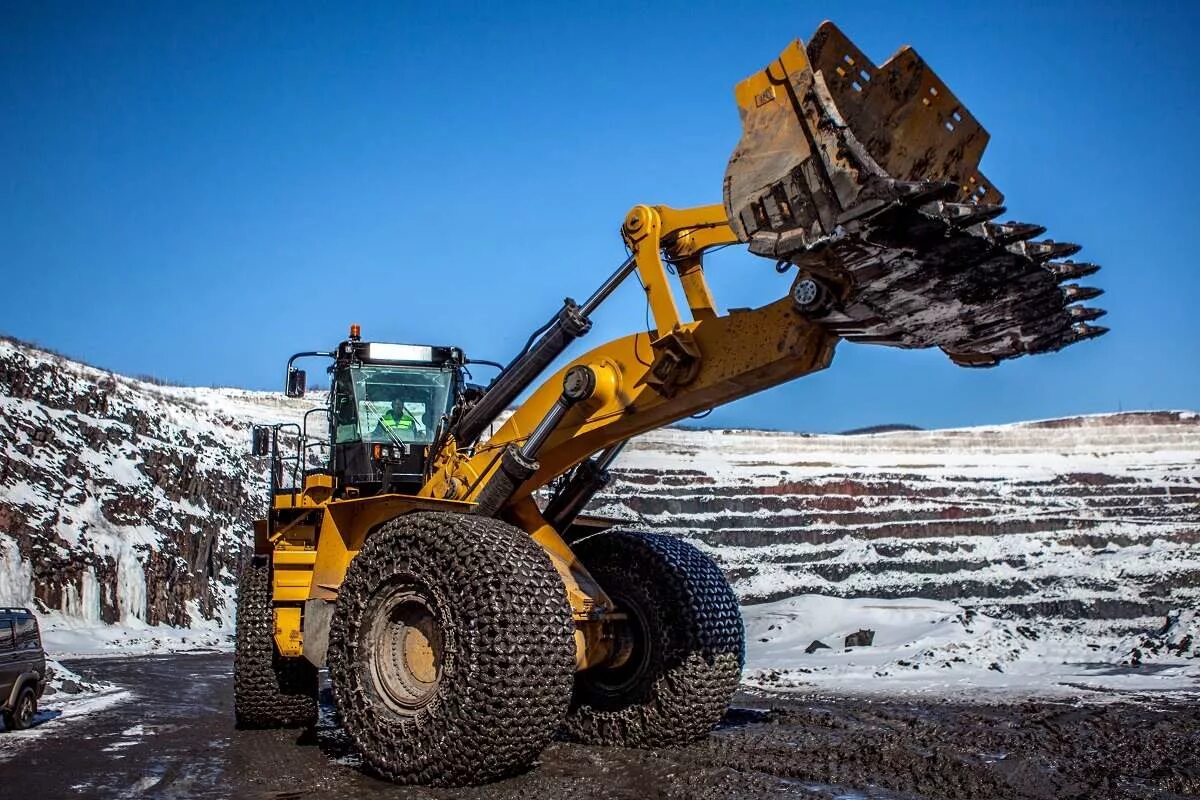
x=296, y=382
x=260, y=440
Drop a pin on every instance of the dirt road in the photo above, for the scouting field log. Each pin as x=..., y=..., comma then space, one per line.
x=175, y=739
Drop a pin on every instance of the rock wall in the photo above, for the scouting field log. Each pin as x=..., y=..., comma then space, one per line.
x=1094, y=518
x=122, y=501
x=126, y=502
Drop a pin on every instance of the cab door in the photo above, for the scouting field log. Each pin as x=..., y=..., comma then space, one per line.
x=9, y=668
x=27, y=645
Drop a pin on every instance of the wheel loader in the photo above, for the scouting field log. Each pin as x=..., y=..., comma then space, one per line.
x=438, y=561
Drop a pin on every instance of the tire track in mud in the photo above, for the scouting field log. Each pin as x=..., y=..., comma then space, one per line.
x=175, y=739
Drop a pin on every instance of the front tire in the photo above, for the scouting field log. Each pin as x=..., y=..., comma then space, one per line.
x=451, y=650
x=269, y=691
x=685, y=641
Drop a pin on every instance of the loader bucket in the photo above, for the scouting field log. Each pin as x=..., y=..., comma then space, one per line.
x=867, y=178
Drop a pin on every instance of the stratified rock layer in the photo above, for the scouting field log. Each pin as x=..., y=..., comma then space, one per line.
x=1091, y=517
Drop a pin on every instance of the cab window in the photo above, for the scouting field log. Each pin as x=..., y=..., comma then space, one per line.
x=391, y=404
x=25, y=633
x=345, y=417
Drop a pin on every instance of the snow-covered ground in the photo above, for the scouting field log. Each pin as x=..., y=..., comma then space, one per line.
x=70, y=637
x=68, y=698
x=930, y=647
x=1027, y=558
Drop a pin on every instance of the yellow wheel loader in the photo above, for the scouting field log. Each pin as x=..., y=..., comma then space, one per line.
x=465, y=607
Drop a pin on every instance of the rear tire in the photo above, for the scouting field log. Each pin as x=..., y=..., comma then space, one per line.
x=686, y=637
x=23, y=712
x=269, y=691
x=451, y=650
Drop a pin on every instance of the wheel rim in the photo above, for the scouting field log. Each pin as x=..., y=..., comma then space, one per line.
x=25, y=715
x=406, y=650
x=634, y=640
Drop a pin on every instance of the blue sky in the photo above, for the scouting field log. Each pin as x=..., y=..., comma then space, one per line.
x=197, y=191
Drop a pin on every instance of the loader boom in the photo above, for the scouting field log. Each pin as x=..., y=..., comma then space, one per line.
x=865, y=179
x=649, y=379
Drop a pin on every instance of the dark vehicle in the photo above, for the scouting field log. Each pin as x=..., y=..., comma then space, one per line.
x=22, y=667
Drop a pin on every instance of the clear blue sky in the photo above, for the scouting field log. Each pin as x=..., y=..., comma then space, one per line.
x=197, y=190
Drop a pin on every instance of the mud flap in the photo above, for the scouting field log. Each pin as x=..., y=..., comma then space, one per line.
x=317, y=616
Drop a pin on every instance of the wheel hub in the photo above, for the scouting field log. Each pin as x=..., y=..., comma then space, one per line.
x=630, y=655
x=25, y=712
x=808, y=295
x=406, y=650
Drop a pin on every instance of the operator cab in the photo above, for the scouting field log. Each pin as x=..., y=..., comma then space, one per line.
x=388, y=404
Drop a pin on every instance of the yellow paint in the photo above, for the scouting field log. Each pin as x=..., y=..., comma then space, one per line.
x=643, y=235
x=288, y=637
x=764, y=87
x=741, y=353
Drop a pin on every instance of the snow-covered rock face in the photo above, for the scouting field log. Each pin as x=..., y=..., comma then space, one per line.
x=1087, y=518
x=126, y=505
x=1042, y=557
x=123, y=502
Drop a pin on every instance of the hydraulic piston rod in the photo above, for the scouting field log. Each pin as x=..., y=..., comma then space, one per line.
x=571, y=322
x=589, y=477
x=517, y=464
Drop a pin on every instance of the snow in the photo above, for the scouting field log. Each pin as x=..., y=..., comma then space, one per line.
x=68, y=636
x=1021, y=451
x=930, y=647
x=67, y=461
x=16, y=576
x=54, y=715
x=1178, y=639
x=1048, y=545
x=68, y=699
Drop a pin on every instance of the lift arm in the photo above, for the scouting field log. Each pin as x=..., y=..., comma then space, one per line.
x=649, y=379
x=863, y=177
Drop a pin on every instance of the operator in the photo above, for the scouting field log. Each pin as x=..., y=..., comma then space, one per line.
x=397, y=421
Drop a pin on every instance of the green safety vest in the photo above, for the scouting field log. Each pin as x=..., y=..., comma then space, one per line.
x=391, y=422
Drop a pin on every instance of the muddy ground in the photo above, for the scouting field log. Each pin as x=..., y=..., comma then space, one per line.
x=175, y=739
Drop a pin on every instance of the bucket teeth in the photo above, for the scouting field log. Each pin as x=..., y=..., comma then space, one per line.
x=1076, y=293
x=1045, y=250
x=1081, y=331
x=1085, y=314
x=964, y=215
x=1070, y=270
x=918, y=193
x=1006, y=233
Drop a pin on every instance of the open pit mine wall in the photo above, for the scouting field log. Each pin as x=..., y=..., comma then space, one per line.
x=1086, y=519
x=125, y=501
x=122, y=501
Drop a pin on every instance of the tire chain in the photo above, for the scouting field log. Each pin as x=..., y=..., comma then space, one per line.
x=700, y=636
x=508, y=650
x=269, y=691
